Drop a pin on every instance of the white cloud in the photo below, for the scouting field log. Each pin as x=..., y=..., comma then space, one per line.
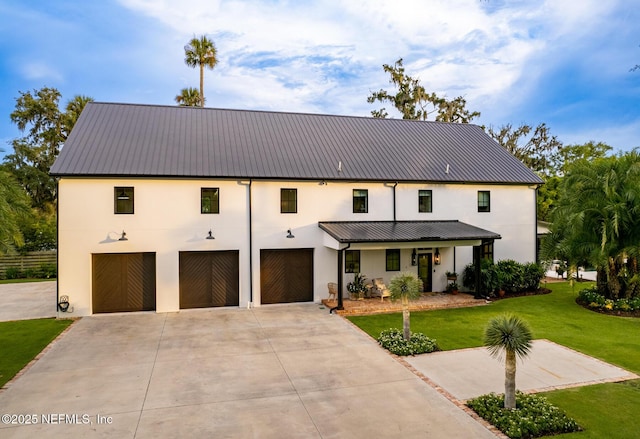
x=41, y=71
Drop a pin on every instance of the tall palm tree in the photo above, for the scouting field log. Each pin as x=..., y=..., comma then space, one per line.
x=201, y=52
x=511, y=335
x=405, y=286
x=14, y=207
x=189, y=97
x=597, y=218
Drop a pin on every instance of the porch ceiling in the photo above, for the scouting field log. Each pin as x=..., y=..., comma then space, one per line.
x=404, y=231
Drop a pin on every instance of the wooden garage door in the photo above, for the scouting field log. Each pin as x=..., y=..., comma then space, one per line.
x=286, y=275
x=124, y=282
x=209, y=279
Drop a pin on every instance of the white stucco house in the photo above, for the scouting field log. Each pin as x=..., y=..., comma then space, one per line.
x=166, y=208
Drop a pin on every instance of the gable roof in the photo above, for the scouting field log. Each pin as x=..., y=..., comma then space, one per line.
x=129, y=140
x=403, y=231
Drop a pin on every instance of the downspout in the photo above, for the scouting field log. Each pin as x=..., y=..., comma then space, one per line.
x=394, y=200
x=250, y=248
x=340, y=263
x=535, y=227
x=57, y=245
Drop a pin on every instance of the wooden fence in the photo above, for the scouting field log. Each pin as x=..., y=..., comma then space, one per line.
x=30, y=261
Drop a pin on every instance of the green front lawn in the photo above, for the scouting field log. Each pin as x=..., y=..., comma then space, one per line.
x=22, y=340
x=607, y=410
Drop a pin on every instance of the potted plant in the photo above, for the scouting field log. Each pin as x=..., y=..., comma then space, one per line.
x=357, y=288
x=453, y=288
x=452, y=275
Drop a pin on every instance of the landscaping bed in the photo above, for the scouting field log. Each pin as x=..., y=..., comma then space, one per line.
x=533, y=416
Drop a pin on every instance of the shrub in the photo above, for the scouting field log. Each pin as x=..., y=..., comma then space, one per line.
x=533, y=416
x=47, y=271
x=507, y=274
x=533, y=274
x=488, y=280
x=591, y=298
x=393, y=340
x=13, y=273
x=511, y=275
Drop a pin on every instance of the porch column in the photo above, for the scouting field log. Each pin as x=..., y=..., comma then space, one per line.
x=340, y=262
x=478, y=263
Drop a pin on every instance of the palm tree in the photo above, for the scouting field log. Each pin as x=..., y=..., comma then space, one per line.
x=597, y=219
x=405, y=286
x=201, y=52
x=513, y=336
x=14, y=208
x=188, y=97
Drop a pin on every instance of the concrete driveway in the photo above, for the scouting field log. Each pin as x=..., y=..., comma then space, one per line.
x=30, y=300
x=269, y=372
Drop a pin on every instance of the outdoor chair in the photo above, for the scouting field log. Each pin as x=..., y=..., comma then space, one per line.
x=380, y=289
x=333, y=291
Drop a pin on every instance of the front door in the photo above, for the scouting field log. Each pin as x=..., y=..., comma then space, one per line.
x=425, y=269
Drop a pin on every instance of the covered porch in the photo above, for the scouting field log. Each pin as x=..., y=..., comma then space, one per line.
x=382, y=249
x=428, y=301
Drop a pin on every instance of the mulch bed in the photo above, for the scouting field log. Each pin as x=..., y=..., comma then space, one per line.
x=610, y=312
x=537, y=292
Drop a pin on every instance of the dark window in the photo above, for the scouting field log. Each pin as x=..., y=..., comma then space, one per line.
x=288, y=200
x=424, y=201
x=352, y=261
x=122, y=200
x=486, y=250
x=484, y=201
x=360, y=201
x=210, y=200
x=393, y=260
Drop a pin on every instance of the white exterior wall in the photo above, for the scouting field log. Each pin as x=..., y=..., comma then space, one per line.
x=167, y=220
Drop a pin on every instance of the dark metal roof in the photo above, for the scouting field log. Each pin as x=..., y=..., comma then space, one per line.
x=403, y=231
x=147, y=140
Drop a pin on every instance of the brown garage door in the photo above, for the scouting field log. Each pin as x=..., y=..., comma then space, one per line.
x=124, y=282
x=209, y=279
x=286, y=275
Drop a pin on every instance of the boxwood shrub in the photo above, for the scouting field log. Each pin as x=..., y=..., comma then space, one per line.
x=533, y=416
x=393, y=340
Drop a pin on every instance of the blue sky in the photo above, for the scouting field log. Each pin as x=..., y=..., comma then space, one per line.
x=522, y=61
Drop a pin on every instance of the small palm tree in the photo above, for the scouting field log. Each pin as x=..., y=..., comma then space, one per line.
x=405, y=286
x=201, y=52
x=188, y=97
x=511, y=335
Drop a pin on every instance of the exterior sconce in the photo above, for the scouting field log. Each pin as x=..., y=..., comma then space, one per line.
x=414, y=258
x=210, y=235
x=289, y=234
x=63, y=304
x=436, y=257
x=123, y=237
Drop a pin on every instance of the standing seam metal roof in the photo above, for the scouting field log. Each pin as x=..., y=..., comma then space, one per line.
x=404, y=231
x=130, y=140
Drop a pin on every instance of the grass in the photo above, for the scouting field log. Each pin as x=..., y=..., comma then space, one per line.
x=606, y=410
x=22, y=340
x=22, y=281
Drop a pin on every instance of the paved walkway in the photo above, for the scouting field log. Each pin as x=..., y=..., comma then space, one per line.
x=270, y=372
x=467, y=373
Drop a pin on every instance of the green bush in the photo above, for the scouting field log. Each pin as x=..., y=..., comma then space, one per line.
x=533, y=273
x=506, y=274
x=13, y=273
x=47, y=271
x=591, y=298
x=393, y=340
x=488, y=279
x=533, y=416
x=511, y=275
